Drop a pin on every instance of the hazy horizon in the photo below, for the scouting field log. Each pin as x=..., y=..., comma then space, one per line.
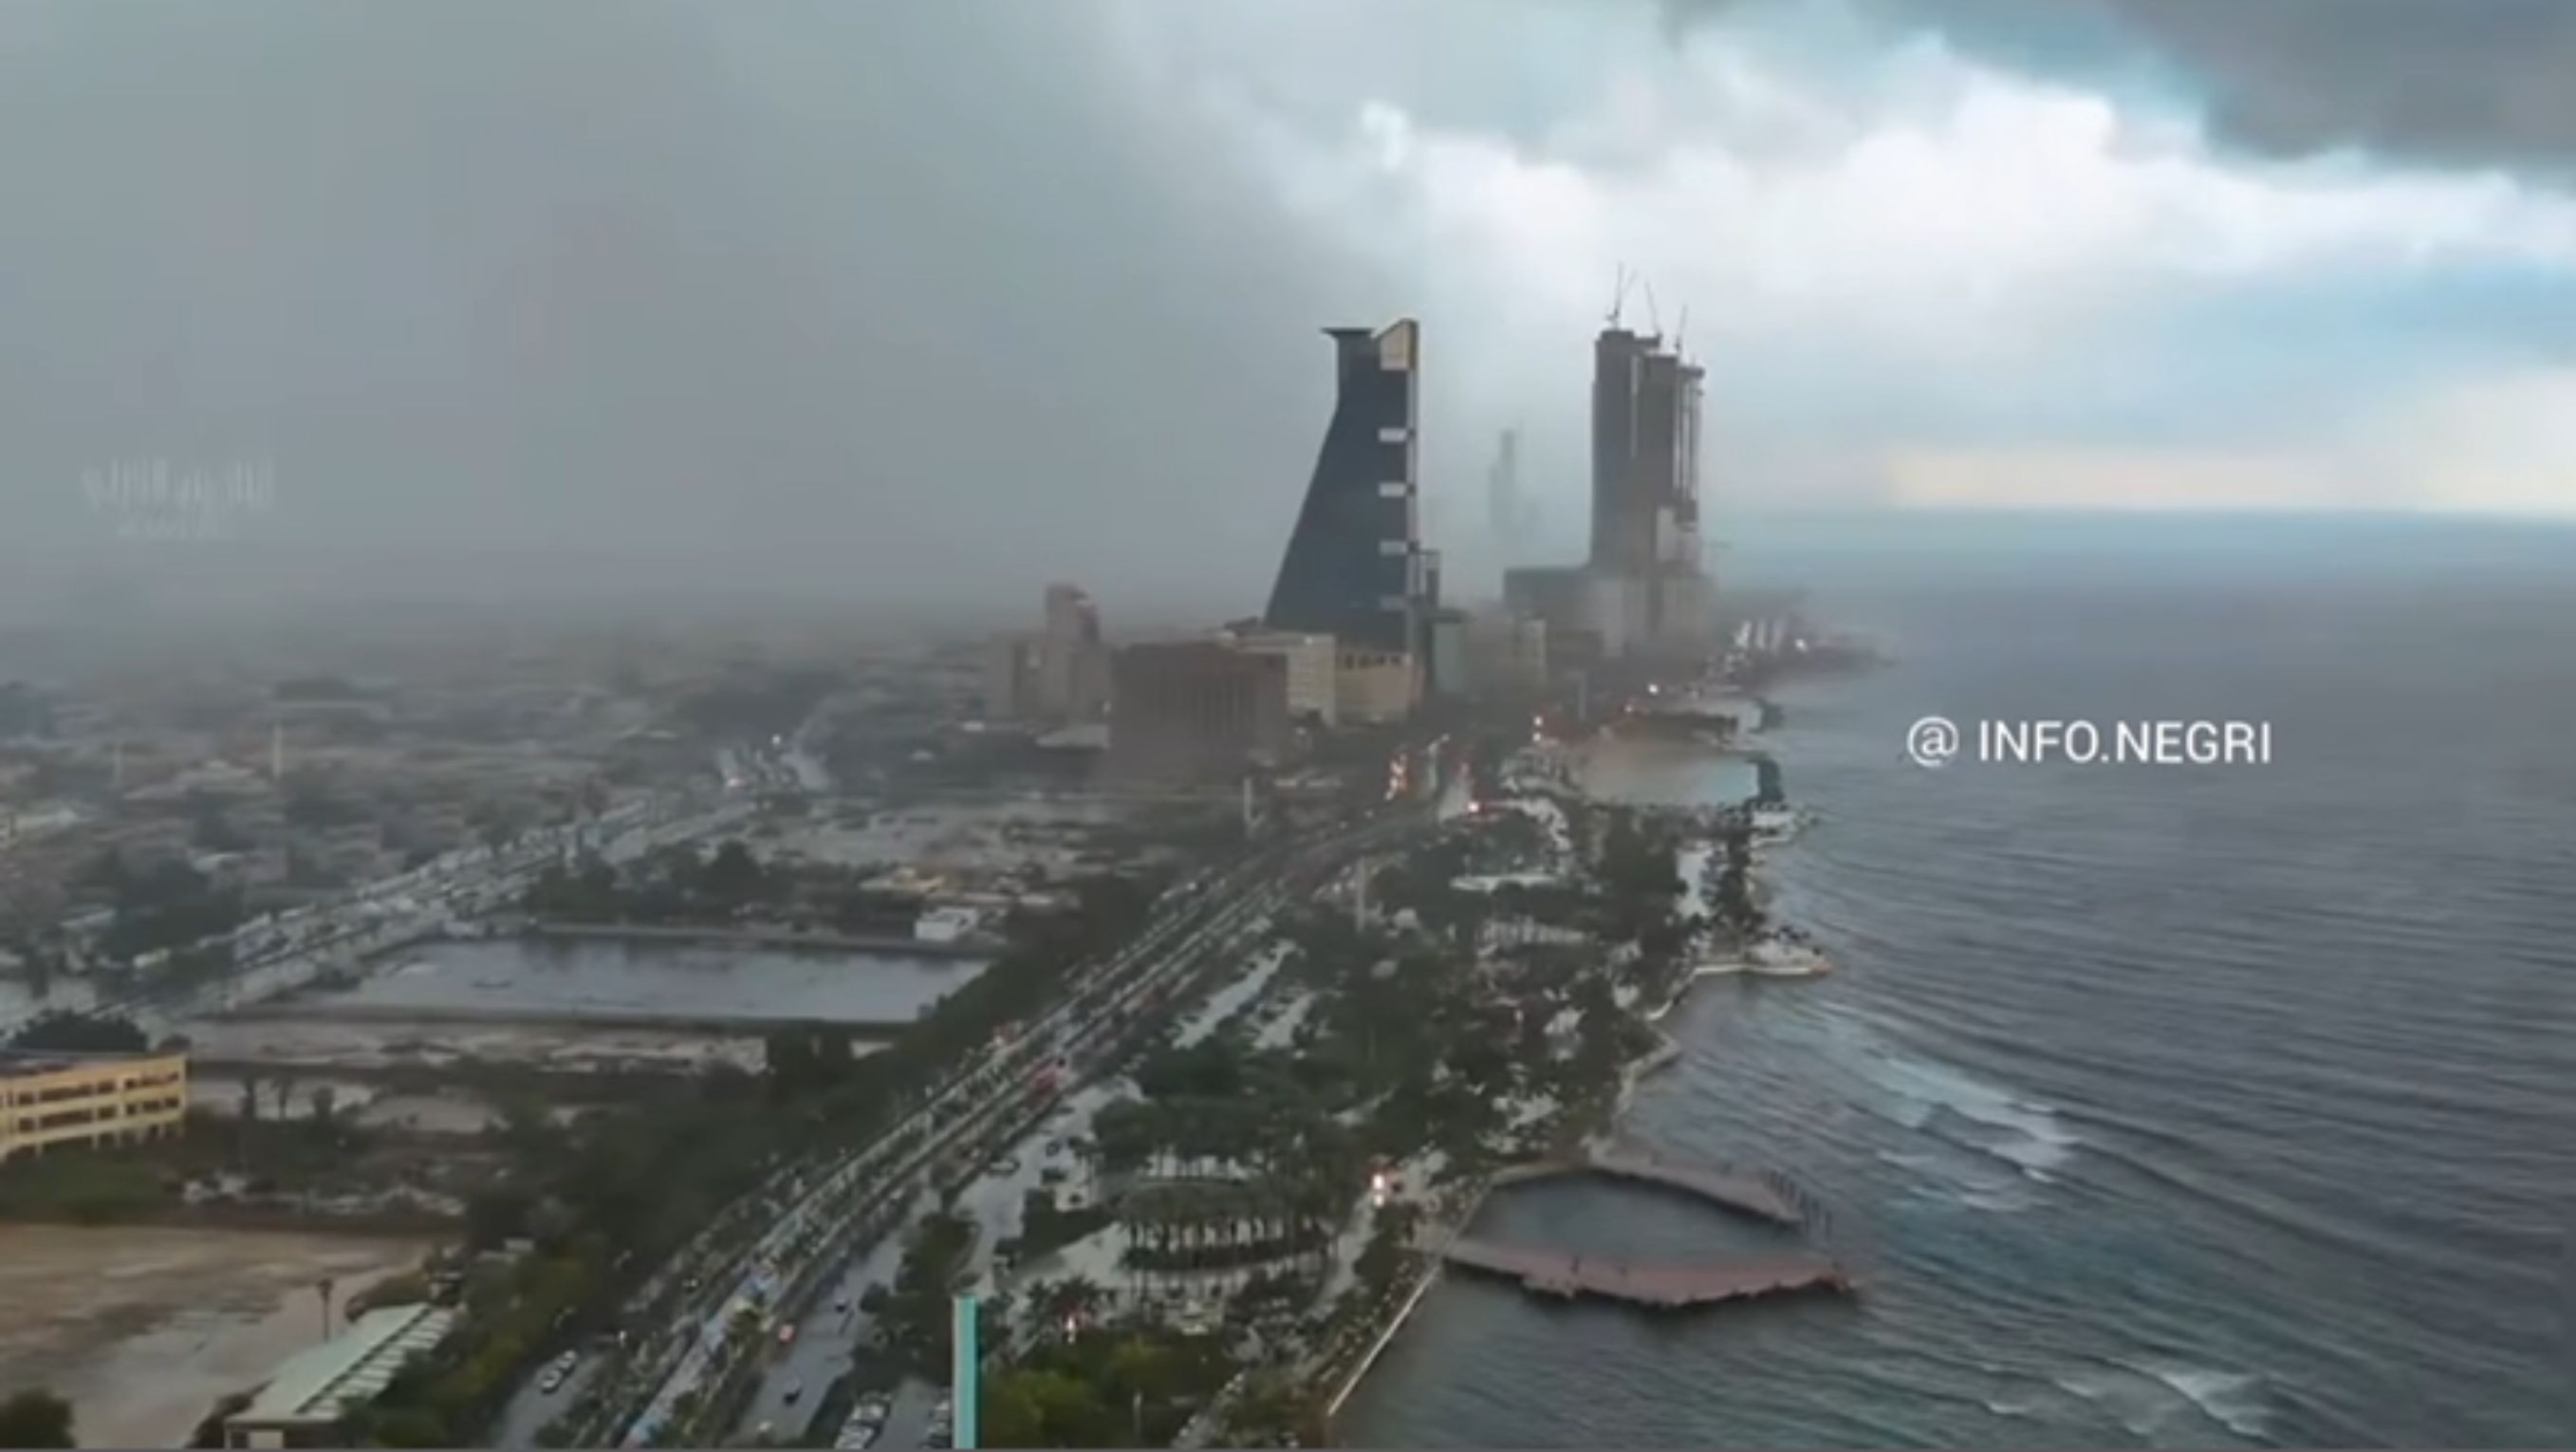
x=764, y=299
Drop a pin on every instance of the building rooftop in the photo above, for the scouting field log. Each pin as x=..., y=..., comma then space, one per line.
x=15, y=1062
x=316, y=1385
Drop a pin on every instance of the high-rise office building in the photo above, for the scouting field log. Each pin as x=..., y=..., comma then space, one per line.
x=1010, y=688
x=1645, y=455
x=1645, y=489
x=1355, y=568
x=1073, y=664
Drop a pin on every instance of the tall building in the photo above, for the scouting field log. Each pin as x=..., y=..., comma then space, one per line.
x=1196, y=711
x=1452, y=674
x=1507, y=513
x=1645, y=455
x=1010, y=678
x=1073, y=663
x=1646, y=404
x=1355, y=568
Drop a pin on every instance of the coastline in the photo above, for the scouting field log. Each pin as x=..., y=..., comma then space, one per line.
x=1662, y=1052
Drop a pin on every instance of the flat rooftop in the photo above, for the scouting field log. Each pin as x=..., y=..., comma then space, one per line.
x=314, y=1386
x=53, y=1061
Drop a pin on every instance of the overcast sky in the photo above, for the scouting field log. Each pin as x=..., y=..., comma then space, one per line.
x=954, y=297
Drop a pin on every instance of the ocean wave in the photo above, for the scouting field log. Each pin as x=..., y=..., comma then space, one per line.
x=2231, y=1399
x=2148, y=1398
x=2028, y=1136
x=1962, y=1184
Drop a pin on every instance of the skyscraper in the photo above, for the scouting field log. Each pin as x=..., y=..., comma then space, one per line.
x=1073, y=664
x=1645, y=455
x=1507, y=514
x=1645, y=489
x=1355, y=568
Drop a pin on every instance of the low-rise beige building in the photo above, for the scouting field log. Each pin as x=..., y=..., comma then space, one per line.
x=1313, y=666
x=48, y=1101
x=1376, y=687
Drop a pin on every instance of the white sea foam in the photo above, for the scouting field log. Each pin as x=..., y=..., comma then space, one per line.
x=2035, y=1141
x=2130, y=1402
x=2232, y=1399
x=2004, y=1408
x=1963, y=1183
x=2163, y=1402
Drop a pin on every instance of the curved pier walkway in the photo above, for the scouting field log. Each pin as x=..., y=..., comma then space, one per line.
x=1751, y=1192
x=1558, y=1273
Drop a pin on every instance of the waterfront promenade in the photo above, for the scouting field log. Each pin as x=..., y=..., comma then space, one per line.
x=1759, y=1193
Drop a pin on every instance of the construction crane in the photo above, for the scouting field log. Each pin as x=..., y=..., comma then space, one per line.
x=1618, y=295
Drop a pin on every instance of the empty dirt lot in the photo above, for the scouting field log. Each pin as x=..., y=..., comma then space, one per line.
x=143, y=1329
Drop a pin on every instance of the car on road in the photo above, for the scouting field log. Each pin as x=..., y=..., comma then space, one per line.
x=795, y=1389
x=841, y=1303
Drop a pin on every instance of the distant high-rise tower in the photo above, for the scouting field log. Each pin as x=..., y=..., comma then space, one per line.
x=1073, y=663
x=1506, y=512
x=1354, y=568
x=1646, y=552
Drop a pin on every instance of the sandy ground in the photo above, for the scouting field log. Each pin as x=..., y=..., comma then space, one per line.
x=143, y=1329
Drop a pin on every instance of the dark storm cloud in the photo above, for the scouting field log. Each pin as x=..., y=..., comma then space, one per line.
x=2477, y=82
x=888, y=298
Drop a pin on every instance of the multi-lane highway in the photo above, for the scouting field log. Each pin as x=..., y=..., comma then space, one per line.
x=810, y=1210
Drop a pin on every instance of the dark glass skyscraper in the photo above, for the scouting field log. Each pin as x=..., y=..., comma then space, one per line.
x=1355, y=567
x=1645, y=456
x=1645, y=494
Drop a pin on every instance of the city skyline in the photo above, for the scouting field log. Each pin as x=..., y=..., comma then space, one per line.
x=2067, y=256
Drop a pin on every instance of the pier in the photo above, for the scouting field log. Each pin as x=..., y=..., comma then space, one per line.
x=1559, y=1273
x=1757, y=1193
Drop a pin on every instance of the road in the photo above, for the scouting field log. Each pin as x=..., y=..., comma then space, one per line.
x=1100, y=1005
x=825, y=1344
x=827, y=1334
